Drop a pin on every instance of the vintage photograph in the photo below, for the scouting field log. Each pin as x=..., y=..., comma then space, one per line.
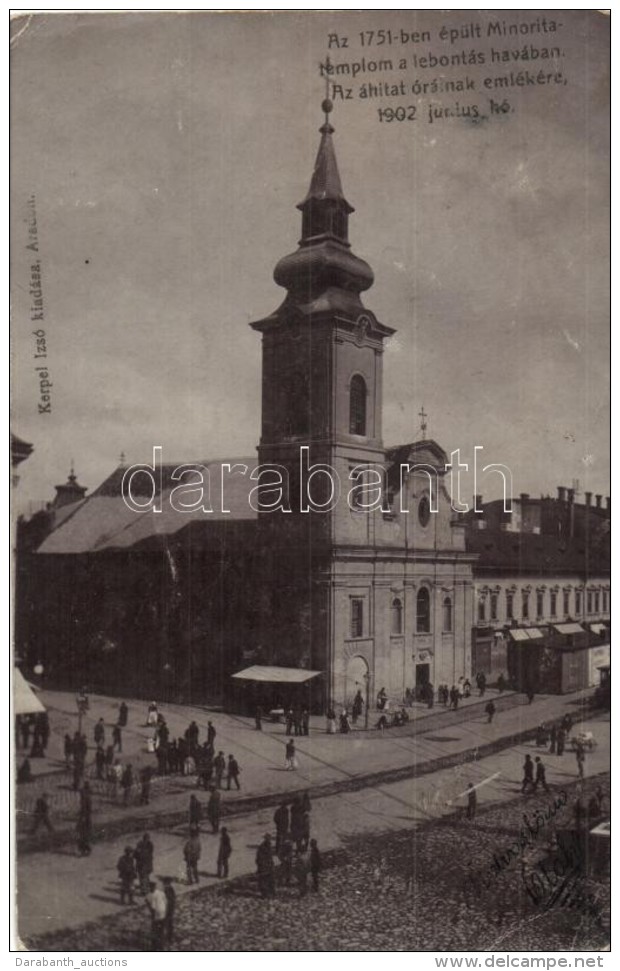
x=310, y=388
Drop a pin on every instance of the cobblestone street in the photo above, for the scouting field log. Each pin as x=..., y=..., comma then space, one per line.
x=364, y=904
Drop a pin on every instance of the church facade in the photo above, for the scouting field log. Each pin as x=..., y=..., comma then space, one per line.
x=375, y=571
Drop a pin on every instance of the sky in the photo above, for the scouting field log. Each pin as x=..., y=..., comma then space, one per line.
x=166, y=154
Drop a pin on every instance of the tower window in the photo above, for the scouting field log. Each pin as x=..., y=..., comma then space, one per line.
x=357, y=406
x=397, y=616
x=553, y=606
x=578, y=603
x=423, y=611
x=357, y=617
x=493, y=606
x=509, y=606
x=482, y=609
x=540, y=606
x=447, y=615
x=566, y=597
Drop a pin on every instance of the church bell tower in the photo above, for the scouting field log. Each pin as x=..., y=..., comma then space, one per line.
x=322, y=351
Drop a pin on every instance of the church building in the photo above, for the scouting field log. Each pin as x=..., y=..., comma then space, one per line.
x=353, y=567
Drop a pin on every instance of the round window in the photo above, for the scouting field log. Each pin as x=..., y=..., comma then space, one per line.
x=424, y=511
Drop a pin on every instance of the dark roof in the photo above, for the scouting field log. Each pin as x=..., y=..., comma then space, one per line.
x=104, y=521
x=540, y=554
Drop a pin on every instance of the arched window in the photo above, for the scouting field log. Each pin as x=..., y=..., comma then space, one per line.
x=423, y=611
x=447, y=615
x=397, y=616
x=357, y=406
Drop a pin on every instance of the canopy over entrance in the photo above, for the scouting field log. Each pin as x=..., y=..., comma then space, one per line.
x=268, y=674
x=25, y=700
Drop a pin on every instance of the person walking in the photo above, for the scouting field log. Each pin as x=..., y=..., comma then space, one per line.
x=331, y=721
x=454, y=697
x=281, y=819
x=315, y=865
x=99, y=732
x=233, y=772
x=192, y=852
x=158, y=907
x=211, y=733
x=561, y=740
x=223, y=854
x=123, y=713
x=219, y=764
x=86, y=802
x=126, y=868
x=117, y=738
x=289, y=718
x=143, y=855
x=297, y=824
x=195, y=813
x=258, y=718
x=214, y=809
x=127, y=783
x=481, y=682
x=290, y=761
x=42, y=815
x=541, y=777
x=264, y=868
x=472, y=801
x=580, y=755
x=490, y=710
x=171, y=904
x=501, y=684
x=528, y=774
x=553, y=735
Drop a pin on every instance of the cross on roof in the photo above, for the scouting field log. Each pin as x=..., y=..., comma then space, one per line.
x=423, y=423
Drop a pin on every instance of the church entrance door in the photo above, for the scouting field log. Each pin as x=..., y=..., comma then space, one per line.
x=356, y=680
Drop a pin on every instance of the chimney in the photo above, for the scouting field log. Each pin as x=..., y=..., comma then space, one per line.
x=571, y=495
x=588, y=496
x=561, y=493
x=599, y=500
x=524, y=496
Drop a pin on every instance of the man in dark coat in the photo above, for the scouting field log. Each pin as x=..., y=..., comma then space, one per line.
x=99, y=732
x=528, y=773
x=143, y=856
x=315, y=865
x=553, y=737
x=223, y=853
x=264, y=868
x=233, y=772
x=211, y=733
x=358, y=704
x=305, y=722
x=191, y=852
x=490, y=710
x=219, y=764
x=541, y=778
x=123, y=712
x=127, y=784
x=258, y=718
x=214, y=810
x=145, y=785
x=42, y=814
x=126, y=868
x=117, y=738
x=481, y=681
x=561, y=741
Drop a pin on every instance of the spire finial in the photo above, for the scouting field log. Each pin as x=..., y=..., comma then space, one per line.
x=122, y=459
x=327, y=104
x=72, y=471
x=423, y=423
